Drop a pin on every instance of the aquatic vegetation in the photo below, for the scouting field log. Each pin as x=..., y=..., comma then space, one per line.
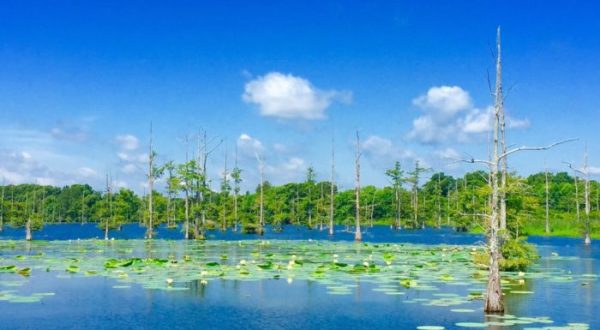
x=445, y=276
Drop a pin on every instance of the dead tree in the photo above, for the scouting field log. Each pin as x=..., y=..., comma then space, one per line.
x=547, y=204
x=493, y=297
x=332, y=188
x=576, y=196
x=2, y=208
x=261, y=213
x=414, y=179
x=151, y=178
x=28, y=236
x=109, y=204
x=586, y=195
x=357, y=233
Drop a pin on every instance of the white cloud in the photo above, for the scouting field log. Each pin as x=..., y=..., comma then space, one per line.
x=477, y=121
x=382, y=152
x=278, y=147
x=292, y=169
x=129, y=168
x=86, y=172
x=128, y=142
x=18, y=167
x=447, y=154
x=71, y=134
x=290, y=97
x=449, y=116
x=44, y=181
x=444, y=100
x=249, y=146
x=593, y=170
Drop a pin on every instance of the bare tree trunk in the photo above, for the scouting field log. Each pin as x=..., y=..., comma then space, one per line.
x=320, y=207
x=576, y=197
x=439, y=203
x=187, y=214
x=28, y=224
x=108, y=197
x=261, y=214
x=587, y=239
x=2, y=210
x=493, y=297
x=357, y=233
x=398, y=208
x=235, y=193
x=224, y=193
x=83, y=207
x=372, y=211
x=150, y=229
x=547, y=205
x=332, y=189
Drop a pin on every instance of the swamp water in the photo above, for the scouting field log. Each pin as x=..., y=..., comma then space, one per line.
x=286, y=281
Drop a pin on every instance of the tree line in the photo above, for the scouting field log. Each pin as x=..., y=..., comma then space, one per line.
x=443, y=200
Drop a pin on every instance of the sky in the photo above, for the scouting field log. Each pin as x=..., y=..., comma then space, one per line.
x=81, y=83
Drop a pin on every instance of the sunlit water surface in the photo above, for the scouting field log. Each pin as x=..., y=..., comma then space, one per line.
x=100, y=302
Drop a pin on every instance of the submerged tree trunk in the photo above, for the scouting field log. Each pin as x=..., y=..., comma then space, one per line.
x=150, y=229
x=2, y=210
x=261, y=214
x=187, y=215
x=28, y=229
x=357, y=233
x=587, y=239
x=547, y=205
x=493, y=297
x=576, y=197
x=332, y=189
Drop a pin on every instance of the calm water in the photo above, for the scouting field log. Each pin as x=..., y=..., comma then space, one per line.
x=276, y=304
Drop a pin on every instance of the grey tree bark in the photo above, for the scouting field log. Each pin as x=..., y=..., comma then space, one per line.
x=357, y=232
x=332, y=189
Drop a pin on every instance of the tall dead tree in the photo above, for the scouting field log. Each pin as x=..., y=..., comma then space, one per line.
x=547, y=203
x=236, y=175
x=29, y=215
x=109, y=204
x=357, y=233
x=586, y=194
x=332, y=188
x=186, y=180
x=493, y=297
x=2, y=207
x=261, y=211
x=576, y=196
x=225, y=186
x=151, y=178
x=83, y=206
x=439, y=202
x=415, y=175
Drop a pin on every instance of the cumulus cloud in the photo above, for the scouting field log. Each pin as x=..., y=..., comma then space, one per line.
x=291, y=169
x=449, y=116
x=382, y=152
x=128, y=142
x=249, y=146
x=444, y=100
x=86, y=172
x=594, y=170
x=129, y=168
x=286, y=96
x=20, y=167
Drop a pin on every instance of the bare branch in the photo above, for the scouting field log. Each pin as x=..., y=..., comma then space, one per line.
x=525, y=148
x=575, y=169
x=474, y=161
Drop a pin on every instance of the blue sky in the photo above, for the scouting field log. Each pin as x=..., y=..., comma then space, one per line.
x=80, y=84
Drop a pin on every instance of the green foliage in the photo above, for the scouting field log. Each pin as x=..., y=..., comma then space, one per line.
x=517, y=255
x=459, y=202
